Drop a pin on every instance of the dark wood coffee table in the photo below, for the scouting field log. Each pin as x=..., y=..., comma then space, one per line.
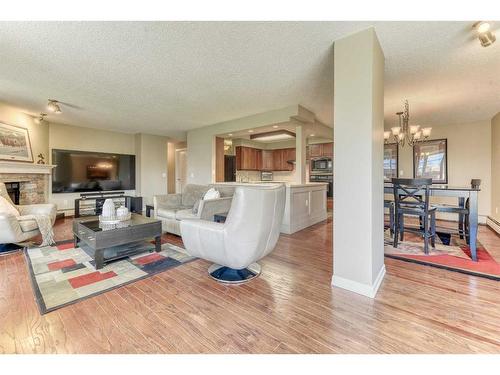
x=108, y=242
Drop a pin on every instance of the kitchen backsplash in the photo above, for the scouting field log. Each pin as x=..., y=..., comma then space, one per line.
x=255, y=176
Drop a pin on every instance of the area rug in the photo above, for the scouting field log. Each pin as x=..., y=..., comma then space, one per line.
x=451, y=253
x=62, y=274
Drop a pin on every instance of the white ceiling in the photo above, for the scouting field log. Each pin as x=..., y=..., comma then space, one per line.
x=168, y=77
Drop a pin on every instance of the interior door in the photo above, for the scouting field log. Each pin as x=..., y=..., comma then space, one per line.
x=180, y=170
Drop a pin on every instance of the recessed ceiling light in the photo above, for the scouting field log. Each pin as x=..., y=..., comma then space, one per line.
x=230, y=135
x=250, y=131
x=53, y=106
x=275, y=126
x=312, y=135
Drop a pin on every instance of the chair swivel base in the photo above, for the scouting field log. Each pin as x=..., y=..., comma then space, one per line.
x=7, y=248
x=228, y=275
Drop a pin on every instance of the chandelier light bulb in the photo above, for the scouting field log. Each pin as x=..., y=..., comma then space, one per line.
x=396, y=130
x=387, y=135
x=414, y=129
x=426, y=132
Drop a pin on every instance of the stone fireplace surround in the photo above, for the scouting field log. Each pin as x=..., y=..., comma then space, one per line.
x=33, y=179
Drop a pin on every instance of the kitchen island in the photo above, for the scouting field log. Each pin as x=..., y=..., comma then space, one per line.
x=305, y=203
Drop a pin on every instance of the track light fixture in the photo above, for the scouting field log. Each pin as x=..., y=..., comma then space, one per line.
x=53, y=106
x=484, y=33
x=40, y=118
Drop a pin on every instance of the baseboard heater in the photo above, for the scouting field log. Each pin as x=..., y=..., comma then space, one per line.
x=493, y=224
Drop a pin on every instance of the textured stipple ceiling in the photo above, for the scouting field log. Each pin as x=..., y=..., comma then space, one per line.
x=169, y=77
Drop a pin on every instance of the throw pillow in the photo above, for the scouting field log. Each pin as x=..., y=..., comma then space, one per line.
x=6, y=207
x=211, y=194
x=196, y=206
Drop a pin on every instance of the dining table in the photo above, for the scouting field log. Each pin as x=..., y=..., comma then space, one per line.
x=462, y=194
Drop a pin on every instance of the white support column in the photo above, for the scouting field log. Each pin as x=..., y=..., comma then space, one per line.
x=300, y=155
x=358, y=225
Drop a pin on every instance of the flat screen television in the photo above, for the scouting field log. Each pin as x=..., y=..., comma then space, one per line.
x=81, y=171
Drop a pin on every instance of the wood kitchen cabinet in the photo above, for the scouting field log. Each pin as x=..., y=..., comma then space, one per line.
x=252, y=159
x=319, y=150
x=289, y=155
x=267, y=160
x=246, y=158
x=316, y=150
x=327, y=149
x=281, y=158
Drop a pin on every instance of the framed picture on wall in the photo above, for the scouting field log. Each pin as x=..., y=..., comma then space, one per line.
x=391, y=160
x=430, y=160
x=15, y=143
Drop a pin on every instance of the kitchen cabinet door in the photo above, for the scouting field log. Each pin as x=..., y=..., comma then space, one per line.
x=289, y=155
x=246, y=158
x=258, y=159
x=316, y=150
x=278, y=160
x=327, y=149
x=267, y=160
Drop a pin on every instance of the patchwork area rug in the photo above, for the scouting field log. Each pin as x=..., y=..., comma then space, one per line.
x=62, y=274
x=451, y=253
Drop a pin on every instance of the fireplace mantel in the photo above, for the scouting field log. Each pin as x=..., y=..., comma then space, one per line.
x=25, y=168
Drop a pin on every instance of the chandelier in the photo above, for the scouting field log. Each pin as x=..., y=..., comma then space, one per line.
x=406, y=133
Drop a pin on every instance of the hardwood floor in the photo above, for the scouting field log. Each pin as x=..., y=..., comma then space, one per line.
x=290, y=308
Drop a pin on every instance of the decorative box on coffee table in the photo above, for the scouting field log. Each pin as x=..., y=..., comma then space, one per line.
x=108, y=242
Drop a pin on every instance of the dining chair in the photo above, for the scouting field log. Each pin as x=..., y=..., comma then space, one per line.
x=462, y=210
x=411, y=198
x=390, y=206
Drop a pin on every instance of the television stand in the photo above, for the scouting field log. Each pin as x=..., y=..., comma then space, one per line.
x=90, y=204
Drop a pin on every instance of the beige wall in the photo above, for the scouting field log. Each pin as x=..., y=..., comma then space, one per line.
x=78, y=138
x=38, y=133
x=151, y=159
x=469, y=156
x=495, y=167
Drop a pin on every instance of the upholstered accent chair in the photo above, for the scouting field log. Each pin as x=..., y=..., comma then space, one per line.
x=171, y=209
x=16, y=229
x=250, y=232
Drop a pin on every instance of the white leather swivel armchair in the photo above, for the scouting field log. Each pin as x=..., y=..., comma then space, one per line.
x=250, y=232
x=19, y=229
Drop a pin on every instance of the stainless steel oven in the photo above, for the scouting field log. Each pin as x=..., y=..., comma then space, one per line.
x=322, y=165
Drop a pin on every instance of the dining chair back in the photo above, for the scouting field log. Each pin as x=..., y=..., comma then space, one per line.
x=411, y=197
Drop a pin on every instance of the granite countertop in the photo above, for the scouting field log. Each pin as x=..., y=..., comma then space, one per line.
x=261, y=183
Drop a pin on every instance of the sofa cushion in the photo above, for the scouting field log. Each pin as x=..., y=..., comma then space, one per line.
x=185, y=214
x=166, y=212
x=27, y=225
x=192, y=193
x=224, y=190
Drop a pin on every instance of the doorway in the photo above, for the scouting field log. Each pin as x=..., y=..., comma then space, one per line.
x=180, y=169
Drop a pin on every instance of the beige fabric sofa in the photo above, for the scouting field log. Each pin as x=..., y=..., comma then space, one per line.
x=172, y=208
x=19, y=229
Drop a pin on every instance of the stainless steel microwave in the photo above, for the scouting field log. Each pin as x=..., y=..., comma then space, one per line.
x=322, y=165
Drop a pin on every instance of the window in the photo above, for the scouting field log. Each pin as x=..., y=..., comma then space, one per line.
x=390, y=161
x=430, y=161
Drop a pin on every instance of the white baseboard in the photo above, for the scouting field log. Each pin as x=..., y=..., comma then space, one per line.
x=493, y=224
x=360, y=288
